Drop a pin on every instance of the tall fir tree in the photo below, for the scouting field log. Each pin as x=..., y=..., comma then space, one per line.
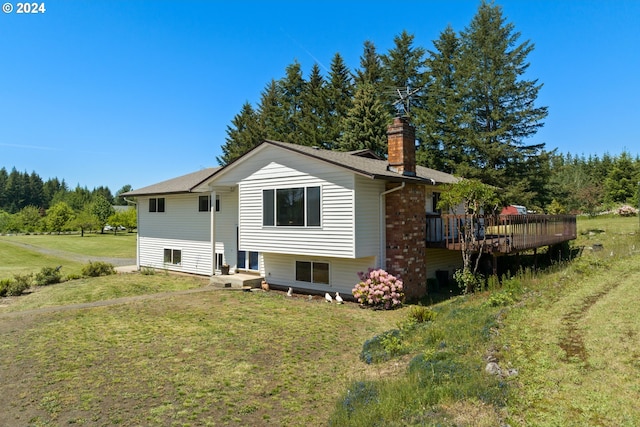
x=271, y=114
x=440, y=120
x=370, y=71
x=313, y=130
x=243, y=134
x=500, y=103
x=403, y=70
x=340, y=99
x=366, y=123
x=292, y=87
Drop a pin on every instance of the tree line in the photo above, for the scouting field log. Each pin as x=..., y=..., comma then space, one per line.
x=470, y=100
x=29, y=204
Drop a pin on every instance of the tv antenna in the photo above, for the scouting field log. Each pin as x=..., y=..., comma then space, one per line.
x=403, y=102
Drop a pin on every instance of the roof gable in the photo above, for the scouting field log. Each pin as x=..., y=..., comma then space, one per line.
x=362, y=162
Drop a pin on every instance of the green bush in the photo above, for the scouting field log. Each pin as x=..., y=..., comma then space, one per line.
x=48, y=276
x=74, y=276
x=98, y=268
x=4, y=286
x=16, y=286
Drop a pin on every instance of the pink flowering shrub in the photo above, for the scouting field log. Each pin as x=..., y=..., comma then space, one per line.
x=377, y=288
x=627, y=210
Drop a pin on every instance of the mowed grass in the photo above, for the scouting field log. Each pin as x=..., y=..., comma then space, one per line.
x=208, y=358
x=24, y=254
x=576, y=342
x=89, y=290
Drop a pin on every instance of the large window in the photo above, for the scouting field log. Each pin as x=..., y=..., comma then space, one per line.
x=312, y=272
x=299, y=206
x=172, y=256
x=156, y=204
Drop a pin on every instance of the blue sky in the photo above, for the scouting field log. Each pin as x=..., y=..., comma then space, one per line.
x=136, y=92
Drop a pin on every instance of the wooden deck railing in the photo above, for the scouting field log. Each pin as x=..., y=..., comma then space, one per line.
x=500, y=233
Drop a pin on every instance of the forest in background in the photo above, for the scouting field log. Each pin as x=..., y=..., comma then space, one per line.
x=471, y=101
x=468, y=96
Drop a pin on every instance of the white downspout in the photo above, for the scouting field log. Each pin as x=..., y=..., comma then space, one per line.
x=212, y=216
x=383, y=226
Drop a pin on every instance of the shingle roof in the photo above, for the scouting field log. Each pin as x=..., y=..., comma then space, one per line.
x=357, y=161
x=376, y=169
x=181, y=184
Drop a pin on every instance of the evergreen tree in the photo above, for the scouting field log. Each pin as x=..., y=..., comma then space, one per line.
x=119, y=199
x=272, y=116
x=51, y=188
x=340, y=99
x=370, y=71
x=621, y=185
x=15, y=191
x=4, y=176
x=291, y=89
x=105, y=192
x=500, y=103
x=404, y=70
x=441, y=118
x=314, y=109
x=35, y=195
x=242, y=136
x=366, y=123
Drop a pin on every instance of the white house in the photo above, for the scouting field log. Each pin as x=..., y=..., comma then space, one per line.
x=299, y=216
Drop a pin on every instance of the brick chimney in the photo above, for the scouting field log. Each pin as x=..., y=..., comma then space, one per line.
x=401, y=137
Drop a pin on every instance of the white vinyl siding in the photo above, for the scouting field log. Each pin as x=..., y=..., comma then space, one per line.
x=183, y=227
x=335, y=237
x=195, y=256
x=367, y=216
x=280, y=270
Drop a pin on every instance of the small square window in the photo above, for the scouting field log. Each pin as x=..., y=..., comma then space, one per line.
x=203, y=204
x=172, y=256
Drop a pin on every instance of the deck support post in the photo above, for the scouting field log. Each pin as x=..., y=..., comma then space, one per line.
x=494, y=263
x=535, y=259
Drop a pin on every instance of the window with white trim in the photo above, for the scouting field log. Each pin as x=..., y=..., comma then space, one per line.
x=312, y=272
x=286, y=207
x=172, y=256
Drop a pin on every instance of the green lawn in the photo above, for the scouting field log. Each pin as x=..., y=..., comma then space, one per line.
x=569, y=337
x=25, y=254
x=206, y=358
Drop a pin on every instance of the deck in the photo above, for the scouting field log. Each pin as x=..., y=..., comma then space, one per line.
x=500, y=234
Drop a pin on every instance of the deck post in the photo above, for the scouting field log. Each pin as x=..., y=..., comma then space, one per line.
x=494, y=263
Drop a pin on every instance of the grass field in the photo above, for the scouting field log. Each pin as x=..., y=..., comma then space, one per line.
x=569, y=338
x=23, y=254
x=204, y=358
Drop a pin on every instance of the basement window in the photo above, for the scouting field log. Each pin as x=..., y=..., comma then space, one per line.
x=173, y=256
x=312, y=272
